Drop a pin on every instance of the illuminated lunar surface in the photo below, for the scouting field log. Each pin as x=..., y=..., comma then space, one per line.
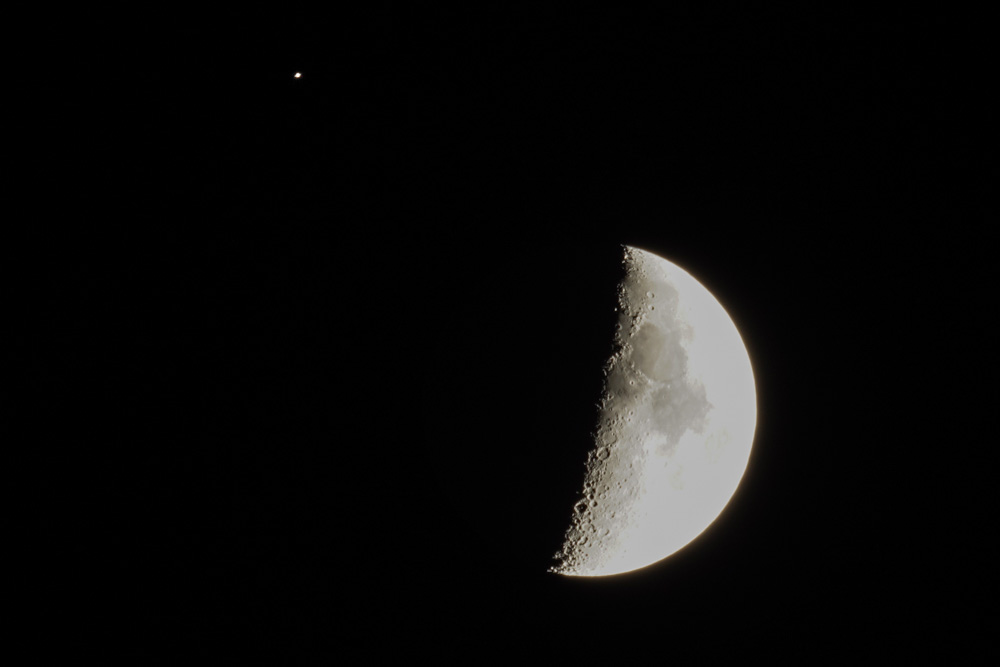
x=676, y=425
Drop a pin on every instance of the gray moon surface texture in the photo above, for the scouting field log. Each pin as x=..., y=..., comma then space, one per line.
x=676, y=425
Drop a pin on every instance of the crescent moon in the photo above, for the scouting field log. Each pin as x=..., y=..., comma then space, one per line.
x=676, y=427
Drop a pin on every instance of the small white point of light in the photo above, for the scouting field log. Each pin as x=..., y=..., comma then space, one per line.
x=297, y=75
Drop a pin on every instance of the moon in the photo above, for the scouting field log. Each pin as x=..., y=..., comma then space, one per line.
x=676, y=426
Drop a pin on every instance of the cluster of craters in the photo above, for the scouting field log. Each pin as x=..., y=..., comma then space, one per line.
x=647, y=405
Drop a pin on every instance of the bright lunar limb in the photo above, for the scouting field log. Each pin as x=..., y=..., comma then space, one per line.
x=676, y=424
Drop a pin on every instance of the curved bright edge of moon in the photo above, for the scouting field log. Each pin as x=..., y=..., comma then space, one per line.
x=676, y=427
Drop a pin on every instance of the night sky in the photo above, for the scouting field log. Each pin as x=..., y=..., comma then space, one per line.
x=317, y=359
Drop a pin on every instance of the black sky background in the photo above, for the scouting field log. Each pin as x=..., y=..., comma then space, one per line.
x=318, y=359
